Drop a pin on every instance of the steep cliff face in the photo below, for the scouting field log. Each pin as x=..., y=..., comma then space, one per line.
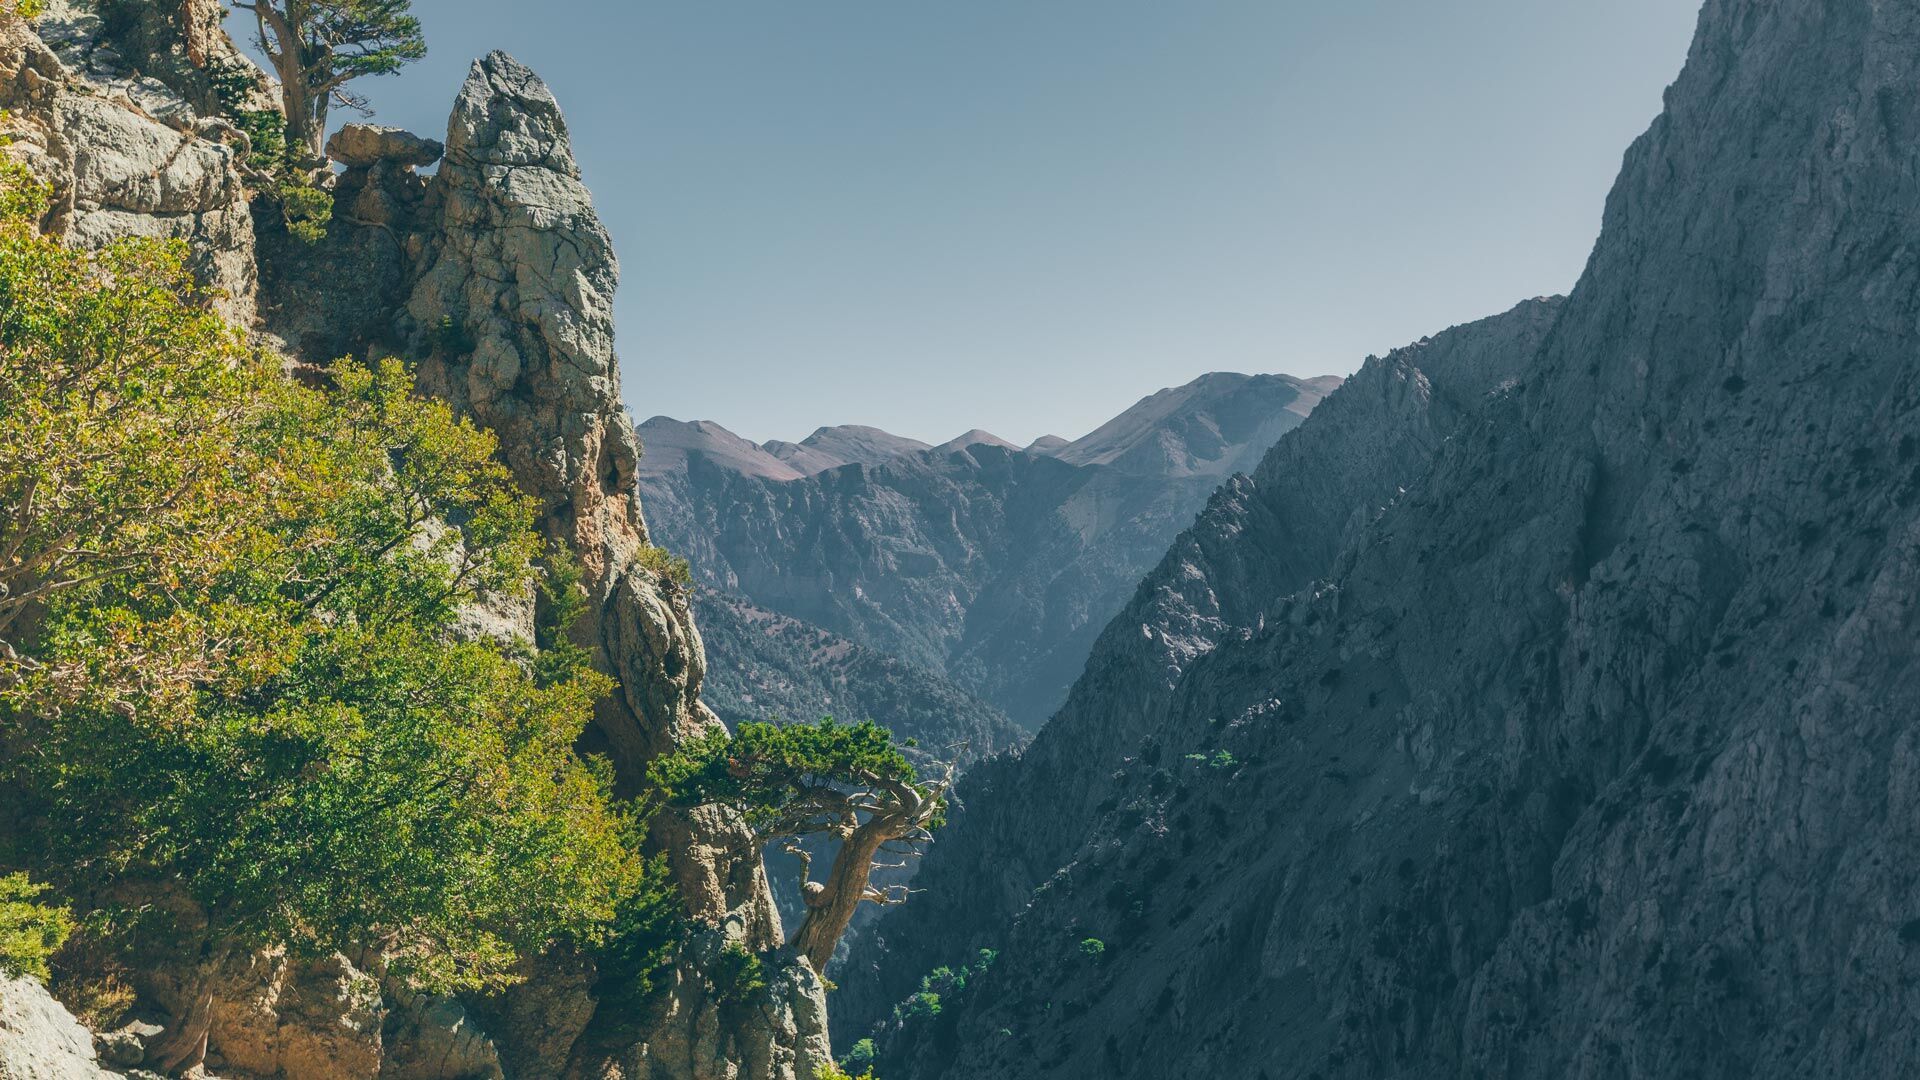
x=1260, y=539
x=1592, y=756
x=125, y=154
x=512, y=308
x=991, y=566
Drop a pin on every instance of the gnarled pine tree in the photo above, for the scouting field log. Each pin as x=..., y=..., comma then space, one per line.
x=848, y=782
x=317, y=47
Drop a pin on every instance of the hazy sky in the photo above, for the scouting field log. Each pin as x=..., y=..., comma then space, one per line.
x=1023, y=215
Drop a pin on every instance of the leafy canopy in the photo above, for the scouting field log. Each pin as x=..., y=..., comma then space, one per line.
x=231, y=652
x=787, y=778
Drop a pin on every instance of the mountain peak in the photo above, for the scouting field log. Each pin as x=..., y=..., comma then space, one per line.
x=974, y=438
x=1218, y=424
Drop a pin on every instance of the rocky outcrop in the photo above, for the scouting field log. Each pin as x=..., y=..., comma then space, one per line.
x=125, y=155
x=1593, y=754
x=363, y=146
x=987, y=565
x=498, y=278
x=511, y=312
x=40, y=1039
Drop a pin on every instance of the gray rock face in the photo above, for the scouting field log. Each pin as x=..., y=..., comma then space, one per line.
x=366, y=145
x=983, y=564
x=127, y=157
x=1593, y=755
x=512, y=309
x=39, y=1039
x=1260, y=539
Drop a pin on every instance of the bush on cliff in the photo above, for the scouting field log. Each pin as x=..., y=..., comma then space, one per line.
x=230, y=651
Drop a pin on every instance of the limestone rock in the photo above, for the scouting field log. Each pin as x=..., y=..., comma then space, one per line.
x=435, y=1038
x=273, y=1016
x=366, y=145
x=128, y=159
x=513, y=309
x=39, y=1039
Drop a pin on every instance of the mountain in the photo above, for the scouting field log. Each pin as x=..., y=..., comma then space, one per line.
x=1259, y=538
x=1589, y=754
x=832, y=447
x=990, y=566
x=1216, y=425
x=801, y=672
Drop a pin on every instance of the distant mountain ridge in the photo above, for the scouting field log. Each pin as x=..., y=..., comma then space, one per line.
x=985, y=564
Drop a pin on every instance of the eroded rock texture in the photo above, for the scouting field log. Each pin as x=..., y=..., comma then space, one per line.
x=1593, y=755
x=126, y=155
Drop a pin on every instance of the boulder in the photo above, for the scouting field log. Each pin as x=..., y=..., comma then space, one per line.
x=362, y=146
x=40, y=1039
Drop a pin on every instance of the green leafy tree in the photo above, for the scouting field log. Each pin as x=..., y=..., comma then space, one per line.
x=317, y=47
x=230, y=610
x=848, y=782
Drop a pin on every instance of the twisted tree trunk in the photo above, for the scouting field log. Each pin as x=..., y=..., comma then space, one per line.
x=831, y=905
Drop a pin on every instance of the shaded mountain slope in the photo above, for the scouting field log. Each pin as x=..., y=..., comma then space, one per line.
x=801, y=672
x=991, y=566
x=1259, y=539
x=1594, y=755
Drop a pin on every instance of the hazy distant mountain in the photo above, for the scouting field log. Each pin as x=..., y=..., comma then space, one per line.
x=832, y=447
x=801, y=672
x=1216, y=425
x=980, y=562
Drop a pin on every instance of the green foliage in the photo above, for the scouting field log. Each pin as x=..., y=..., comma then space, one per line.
x=452, y=338
x=29, y=9
x=228, y=603
x=860, y=1056
x=30, y=932
x=944, y=984
x=1093, y=949
x=831, y=1071
x=648, y=927
x=921, y=1005
x=562, y=604
x=306, y=209
x=364, y=37
x=739, y=974
x=267, y=138
x=317, y=47
x=764, y=769
x=665, y=565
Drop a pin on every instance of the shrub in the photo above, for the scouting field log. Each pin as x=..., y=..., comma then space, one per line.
x=665, y=565
x=233, y=601
x=860, y=1057
x=1093, y=949
x=739, y=975
x=306, y=209
x=30, y=932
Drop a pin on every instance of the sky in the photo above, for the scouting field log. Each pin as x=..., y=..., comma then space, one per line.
x=1024, y=215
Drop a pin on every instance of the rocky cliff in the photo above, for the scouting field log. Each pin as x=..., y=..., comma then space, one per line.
x=1591, y=755
x=1260, y=538
x=496, y=279
x=988, y=565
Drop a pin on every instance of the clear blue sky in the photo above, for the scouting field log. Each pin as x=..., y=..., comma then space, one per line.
x=1023, y=215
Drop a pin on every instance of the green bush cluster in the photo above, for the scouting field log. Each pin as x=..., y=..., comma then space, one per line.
x=30, y=932
x=228, y=606
x=665, y=565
